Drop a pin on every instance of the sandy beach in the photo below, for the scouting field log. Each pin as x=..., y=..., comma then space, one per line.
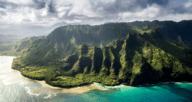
x=117, y=86
x=76, y=90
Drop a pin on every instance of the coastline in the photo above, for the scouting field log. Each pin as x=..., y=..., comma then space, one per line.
x=95, y=86
x=75, y=90
x=98, y=86
x=90, y=87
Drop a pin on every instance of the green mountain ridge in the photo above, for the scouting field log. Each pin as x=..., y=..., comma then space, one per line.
x=135, y=59
x=170, y=29
x=101, y=35
x=65, y=40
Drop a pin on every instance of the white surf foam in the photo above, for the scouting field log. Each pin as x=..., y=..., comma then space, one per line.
x=30, y=92
x=49, y=96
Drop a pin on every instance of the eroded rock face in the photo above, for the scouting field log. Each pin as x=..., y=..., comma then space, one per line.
x=132, y=60
x=146, y=75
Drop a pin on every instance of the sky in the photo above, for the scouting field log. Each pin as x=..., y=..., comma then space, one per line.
x=40, y=17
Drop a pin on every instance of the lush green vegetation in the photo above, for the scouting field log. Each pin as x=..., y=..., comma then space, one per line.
x=73, y=56
x=82, y=79
x=132, y=60
x=171, y=29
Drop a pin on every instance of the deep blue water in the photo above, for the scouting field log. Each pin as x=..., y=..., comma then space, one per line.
x=15, y=88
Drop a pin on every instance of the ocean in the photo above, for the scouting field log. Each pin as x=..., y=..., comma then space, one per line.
x=16, y=88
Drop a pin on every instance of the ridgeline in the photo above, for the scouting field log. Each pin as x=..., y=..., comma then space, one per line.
x=110, y=54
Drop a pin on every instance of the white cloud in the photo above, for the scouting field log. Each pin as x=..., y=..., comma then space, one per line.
x=82, y=8
x=189, y=4
x=44, y=12
x=61, y=14
x=61, y=9
x=37, y=12
x=148, y=13
x=18, y=15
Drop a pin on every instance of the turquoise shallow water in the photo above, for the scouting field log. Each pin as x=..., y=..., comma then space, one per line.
x=16, y=88
x=178, y=92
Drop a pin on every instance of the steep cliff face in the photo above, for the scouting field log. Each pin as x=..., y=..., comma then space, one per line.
x=133, y=60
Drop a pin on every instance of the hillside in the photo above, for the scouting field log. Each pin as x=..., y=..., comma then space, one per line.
x=171, y=29
x=65, y=40
x=15, y=48
x=133, y=60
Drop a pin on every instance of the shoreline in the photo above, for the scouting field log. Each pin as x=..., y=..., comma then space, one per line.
x=91, y=87
x=95, y=86
x=75, y=90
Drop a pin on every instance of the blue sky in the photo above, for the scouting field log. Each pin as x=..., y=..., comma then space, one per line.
x=39, y=17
